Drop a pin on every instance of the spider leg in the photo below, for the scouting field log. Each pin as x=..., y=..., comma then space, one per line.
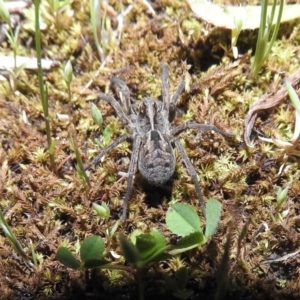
x=178, y=92
x=117, y=107
x=131, y=172
x=169, y=104
x=172, y=108
x=118, y=141
x=192, y=172
x=165, y=88
x=123, y=91
x=204, y=127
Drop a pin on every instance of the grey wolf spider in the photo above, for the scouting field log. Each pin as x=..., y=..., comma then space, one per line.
x=153, y=136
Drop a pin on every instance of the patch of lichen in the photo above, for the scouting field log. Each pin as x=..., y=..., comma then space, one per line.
x=51, y=209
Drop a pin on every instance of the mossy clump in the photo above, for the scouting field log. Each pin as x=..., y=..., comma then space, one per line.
x=48, y=209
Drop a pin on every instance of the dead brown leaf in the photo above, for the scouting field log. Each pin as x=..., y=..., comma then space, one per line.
x=268, y=100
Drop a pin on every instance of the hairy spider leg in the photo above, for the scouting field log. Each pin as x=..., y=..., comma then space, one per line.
x=117, y=107
x=169, y=104
x=131, y=172
x=165, y=87
x=192, y=172
x=190, y=168
x=122, y=90
x=178, y=92
x=118, y=141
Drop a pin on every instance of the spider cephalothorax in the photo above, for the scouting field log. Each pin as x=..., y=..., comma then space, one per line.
x=153, y=135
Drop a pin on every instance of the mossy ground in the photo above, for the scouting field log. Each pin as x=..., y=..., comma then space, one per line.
x=50, y=208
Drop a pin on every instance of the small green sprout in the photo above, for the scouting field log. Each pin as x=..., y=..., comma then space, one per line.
x=96, y=22
x=43, y=90
x=91, y=252
x=264, y=42
x=144, y=249
x=13, y=37
x=79, y=166
x=4, y=14
x=102, y=210
x=107, y=132
x=106, y=38
x=96, y=115
x=281, y=197
x=68, y=77
x=13, y=240
x=293, y=96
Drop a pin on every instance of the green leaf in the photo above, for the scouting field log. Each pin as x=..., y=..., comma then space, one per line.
x=12, y=238
x=193, y=240
x=68, y=73
x=182, y=219
x=79, y=167
x=107, y=134
x=150, y=246
x=213, y=214
x=159, y=238
x=52, y=146
x=281, y=195
x=96, y=115
x=114, y=228
x=4, y=14
x=129, y=250
x=144, y=243
x=102, y=210
x=293, y=96
x=94, y=263
x=134, y=235
x=91, y=248
x=65, y=256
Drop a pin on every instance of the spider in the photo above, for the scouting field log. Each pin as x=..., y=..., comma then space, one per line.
x=153, y=135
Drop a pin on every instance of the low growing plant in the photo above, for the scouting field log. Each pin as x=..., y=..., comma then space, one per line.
x=98, y=119
x=13, y=37
x=68, y=77
x=144, y=249
x=183, y=220
x=264, y=43
x=281, y=197
x=79, y=167
x=13, y=240
x=43, y=89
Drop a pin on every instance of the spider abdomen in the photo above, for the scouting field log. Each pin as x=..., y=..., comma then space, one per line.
x=156, y=160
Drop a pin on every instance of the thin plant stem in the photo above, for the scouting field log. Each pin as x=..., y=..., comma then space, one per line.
x=277, y=25
x=264, y=42
x=43, y=91
x=13, y=240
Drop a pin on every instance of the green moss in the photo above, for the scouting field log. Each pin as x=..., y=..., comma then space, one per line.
x=54, y=209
